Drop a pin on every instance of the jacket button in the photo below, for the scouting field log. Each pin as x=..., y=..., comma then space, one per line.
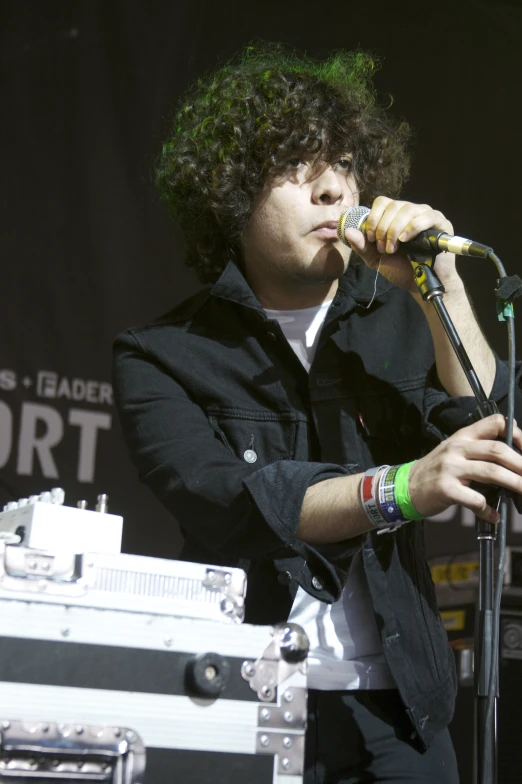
x=317, y=583
x=284, y=578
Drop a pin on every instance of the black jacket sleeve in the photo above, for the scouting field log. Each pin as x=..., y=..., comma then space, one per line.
x=232, y=507
x=444, y=415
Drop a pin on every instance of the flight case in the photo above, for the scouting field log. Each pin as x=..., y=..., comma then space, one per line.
x=141, y=695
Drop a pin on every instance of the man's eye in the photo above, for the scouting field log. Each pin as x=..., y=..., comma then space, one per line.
x=344, y=163
x=296, y=163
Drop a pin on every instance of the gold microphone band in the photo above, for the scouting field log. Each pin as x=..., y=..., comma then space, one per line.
x=341, y=226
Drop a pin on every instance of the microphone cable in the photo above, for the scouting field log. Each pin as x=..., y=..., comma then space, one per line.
x=507, y=289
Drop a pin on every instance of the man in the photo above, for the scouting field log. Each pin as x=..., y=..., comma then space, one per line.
x=266, y=412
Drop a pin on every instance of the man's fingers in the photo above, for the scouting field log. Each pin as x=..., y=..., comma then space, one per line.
x=491, y=427
x=429, y=219
x=492, y=474
x=374, y=217
x=472, y=456
x=476, y=503
x=391, y=221
x=492, y=453
x=380, y=223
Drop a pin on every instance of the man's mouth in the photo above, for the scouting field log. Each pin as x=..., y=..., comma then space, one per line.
x=327, y=230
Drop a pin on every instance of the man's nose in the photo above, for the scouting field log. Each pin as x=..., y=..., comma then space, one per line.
x=327, y=187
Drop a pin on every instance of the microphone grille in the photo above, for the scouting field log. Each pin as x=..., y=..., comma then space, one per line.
x=352, y=218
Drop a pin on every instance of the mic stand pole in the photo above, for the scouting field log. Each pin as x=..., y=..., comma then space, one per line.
x=432, y=291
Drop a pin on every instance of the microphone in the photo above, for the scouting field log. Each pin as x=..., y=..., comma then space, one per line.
x=432, y=239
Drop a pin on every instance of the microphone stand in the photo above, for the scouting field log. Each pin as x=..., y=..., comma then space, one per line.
x=432, y=291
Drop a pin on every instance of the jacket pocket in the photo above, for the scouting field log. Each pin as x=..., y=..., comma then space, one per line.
x=390, y=423
x=257, y=437
x=363, y=420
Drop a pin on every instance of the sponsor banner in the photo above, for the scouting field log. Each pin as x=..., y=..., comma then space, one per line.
x=51, y=425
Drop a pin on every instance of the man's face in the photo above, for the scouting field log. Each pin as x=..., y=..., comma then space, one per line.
x=291, y=239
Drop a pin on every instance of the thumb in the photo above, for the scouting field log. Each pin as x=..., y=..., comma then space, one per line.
x=366, y=250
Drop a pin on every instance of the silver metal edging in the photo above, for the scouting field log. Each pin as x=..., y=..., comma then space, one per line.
x=36, y=621
x=162, y=721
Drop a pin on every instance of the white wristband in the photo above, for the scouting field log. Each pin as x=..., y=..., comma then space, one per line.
x=368, y=499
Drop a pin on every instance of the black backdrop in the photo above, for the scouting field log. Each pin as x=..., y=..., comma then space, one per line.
x=86, y=249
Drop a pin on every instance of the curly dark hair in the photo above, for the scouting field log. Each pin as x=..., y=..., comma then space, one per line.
x=243, y=125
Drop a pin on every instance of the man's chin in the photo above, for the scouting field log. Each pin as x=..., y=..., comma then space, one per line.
x=327, y=266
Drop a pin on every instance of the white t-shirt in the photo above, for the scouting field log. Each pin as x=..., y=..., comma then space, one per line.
x=345, y=647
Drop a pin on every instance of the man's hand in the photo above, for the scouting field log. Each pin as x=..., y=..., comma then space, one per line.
x=332, y=510
x=391, y=222
x=443, y=477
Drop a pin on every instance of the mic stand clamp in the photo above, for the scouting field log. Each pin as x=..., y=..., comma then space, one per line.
x=432, y=291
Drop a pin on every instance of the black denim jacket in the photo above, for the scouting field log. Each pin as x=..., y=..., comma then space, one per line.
x=215, y=379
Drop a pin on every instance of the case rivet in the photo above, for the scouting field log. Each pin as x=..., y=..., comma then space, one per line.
x=228, y=607
x=265, y=714
x=288, y=696
x=288, y=716
x=286, y=764
x=264, y=740
x=287, y=742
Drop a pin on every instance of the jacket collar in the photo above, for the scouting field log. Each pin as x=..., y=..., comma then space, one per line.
x=356, y=287
x=232, y=285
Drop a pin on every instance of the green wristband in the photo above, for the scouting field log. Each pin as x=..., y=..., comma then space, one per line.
x=402, y=495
